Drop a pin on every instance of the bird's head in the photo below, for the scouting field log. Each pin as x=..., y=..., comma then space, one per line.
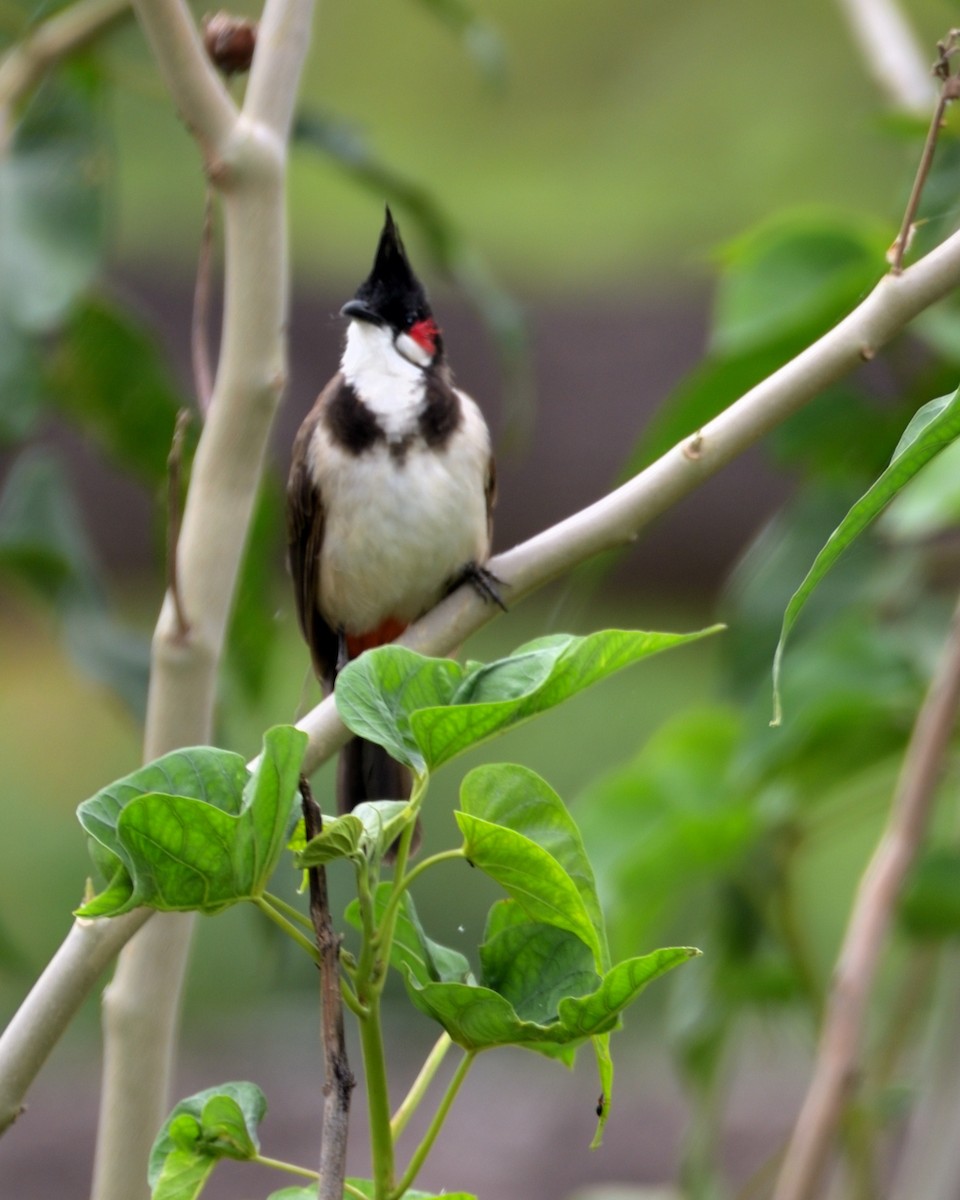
x=393, y=298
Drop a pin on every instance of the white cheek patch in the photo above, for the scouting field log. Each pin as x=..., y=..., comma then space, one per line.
x=412, y=351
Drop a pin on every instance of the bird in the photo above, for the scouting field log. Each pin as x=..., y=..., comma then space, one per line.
x=390, y=495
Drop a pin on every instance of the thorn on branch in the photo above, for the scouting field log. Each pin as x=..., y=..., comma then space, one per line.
x=174, y=475
x=694, y=448
x=229, y=41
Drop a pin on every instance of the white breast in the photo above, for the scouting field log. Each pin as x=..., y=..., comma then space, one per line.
x=398, y=530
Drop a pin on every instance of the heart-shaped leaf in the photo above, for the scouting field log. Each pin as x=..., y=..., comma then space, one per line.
x=213, y=842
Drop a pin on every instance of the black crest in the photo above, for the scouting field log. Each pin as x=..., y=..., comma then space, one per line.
x=391, y=293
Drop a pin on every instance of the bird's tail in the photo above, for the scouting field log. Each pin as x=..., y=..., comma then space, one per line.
x=366, y=771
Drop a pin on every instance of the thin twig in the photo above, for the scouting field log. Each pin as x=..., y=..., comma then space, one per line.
x=338, y=1081
x=835, y=1069
x=949, y=90
x=200, y=324
x=174, y=491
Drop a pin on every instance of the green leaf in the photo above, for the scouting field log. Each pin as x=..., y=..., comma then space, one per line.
x=51, y=216
x=517, y=798
x=531, y=875
x=424, y=711
x=930, y=903
x=21, y=391
x=930, y=503
x=43, y=543
x=935, y=426
x=376, y=693
x=782, y=286
x=253, y=629
x=477, y=1017
x=536, y=677
x=411, y=949
x=533, y=966
x=367, y=832
x=110, y=376
x=183, y=1176
x=41, y=538
x=339, y=838
x=690, y=820
x=800, y=268
x=181, y=852
x=368, y=1188
x=219, y=1122
x=203, y=772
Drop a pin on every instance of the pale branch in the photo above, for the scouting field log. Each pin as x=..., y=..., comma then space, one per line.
x=61, y=35
x=86, y=952
x=619, y=517
x=836, y=1064
x=140, y=1016
x=245, y=159
x=198, y=91
x=199, y=326
x=283, y=35
x=891, y=53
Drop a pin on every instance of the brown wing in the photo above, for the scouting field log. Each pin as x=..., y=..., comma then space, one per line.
x=305, y=523
x=491, y=493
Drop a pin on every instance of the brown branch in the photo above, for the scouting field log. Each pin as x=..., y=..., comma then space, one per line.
x=836, y=1066
x=949, y=90
x=338, y=1081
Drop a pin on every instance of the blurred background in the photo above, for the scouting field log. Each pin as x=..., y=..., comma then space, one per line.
x=578, y=185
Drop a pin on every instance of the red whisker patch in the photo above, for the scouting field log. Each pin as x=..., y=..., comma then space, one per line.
x=425, y=333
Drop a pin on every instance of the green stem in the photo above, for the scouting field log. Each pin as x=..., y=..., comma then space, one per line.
x=443, y=856
x=288, y=928
x=288, y=910
x=280, y=1165
x=378, y=1101
x=402, y=882
x=369, y=975
x=420, y=1084
x=359, y=1010
x=293, y=1169
x=421, y=1152
x=369, y=979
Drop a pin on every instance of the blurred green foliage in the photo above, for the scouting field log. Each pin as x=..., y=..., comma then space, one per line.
x=616, y=137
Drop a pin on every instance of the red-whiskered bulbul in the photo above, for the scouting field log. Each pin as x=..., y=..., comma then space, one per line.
x=390, y=494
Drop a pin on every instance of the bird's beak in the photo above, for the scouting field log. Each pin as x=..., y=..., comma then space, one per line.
x=360, y=311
